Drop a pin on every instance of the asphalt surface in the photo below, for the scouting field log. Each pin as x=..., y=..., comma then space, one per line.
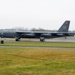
x=47, y=47
x=69, y=39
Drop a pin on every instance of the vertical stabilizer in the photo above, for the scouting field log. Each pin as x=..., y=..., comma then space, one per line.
x=64, y=27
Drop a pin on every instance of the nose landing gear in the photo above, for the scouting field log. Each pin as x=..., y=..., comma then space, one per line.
x=2, y=41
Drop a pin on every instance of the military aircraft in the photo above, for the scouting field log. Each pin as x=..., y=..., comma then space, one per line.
x=42, y=35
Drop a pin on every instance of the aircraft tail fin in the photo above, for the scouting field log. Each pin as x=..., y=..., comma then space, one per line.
x=64, y=27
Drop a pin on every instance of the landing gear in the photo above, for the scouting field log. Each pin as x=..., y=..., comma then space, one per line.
x=17, y=39
x=65, y=37
x=42, y=39
x=2, y=41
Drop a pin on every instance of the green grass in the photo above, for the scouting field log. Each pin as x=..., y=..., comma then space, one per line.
x=36, y=61
x=43, y=44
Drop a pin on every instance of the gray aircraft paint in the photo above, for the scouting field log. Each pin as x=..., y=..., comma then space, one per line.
x=62, y=32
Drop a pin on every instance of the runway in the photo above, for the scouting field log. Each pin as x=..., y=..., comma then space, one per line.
x=43, y=47
x=68, y=39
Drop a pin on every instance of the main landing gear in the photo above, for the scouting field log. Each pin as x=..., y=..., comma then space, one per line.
x=17, y=39
x=42, y=39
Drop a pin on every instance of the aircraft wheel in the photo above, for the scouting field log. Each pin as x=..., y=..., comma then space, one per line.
x=42, y=39
x=17, y=39
x=2, y=41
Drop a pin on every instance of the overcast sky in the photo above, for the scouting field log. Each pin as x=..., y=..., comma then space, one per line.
x=46, y=14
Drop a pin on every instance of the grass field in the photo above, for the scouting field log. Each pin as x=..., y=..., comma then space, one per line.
x=37, y=61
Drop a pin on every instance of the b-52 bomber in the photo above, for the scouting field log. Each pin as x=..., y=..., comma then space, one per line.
x=42, y=35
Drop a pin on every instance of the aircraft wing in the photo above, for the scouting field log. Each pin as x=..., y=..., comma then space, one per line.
x=46, y=34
